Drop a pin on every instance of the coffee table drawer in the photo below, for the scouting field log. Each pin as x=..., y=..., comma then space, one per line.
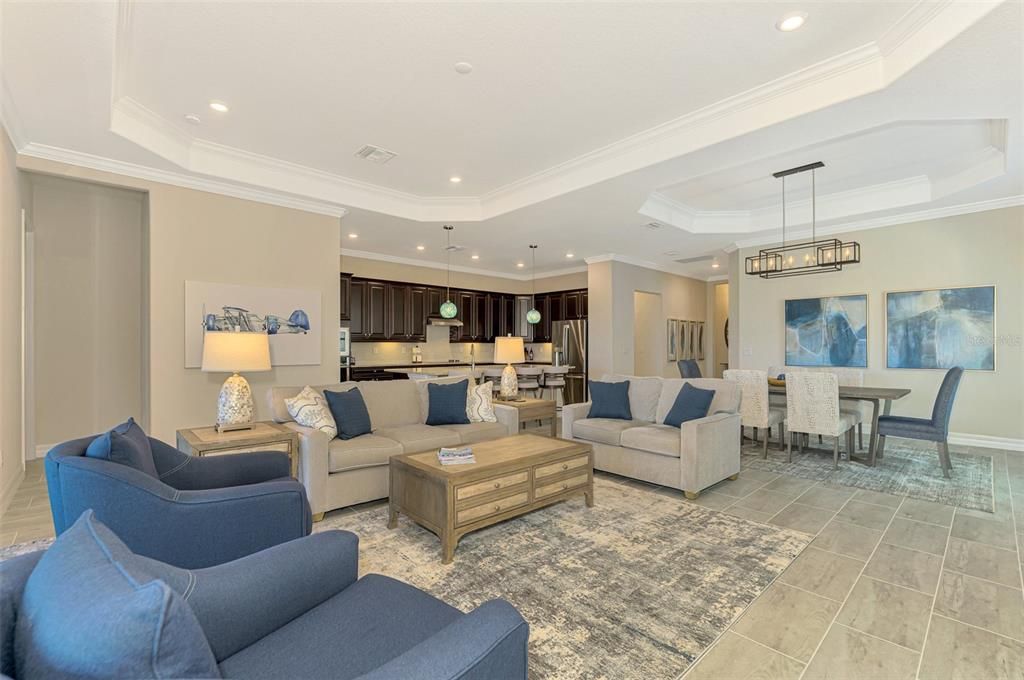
x=480, y=488
x=490, y=508
x=561, y=485
x=561, y=466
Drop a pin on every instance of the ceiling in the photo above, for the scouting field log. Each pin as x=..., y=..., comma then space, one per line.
x=580, y=123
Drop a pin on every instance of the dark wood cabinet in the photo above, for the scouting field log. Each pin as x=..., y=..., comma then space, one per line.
x=418, y=311
x=584, y=304
x=573, y=305
x=346, y=296
x=356, y=305
x=397, y=313
x=375, y=311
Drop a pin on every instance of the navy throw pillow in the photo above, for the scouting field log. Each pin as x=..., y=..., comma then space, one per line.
x=691, y=403
x=610, y=400
x=349, y=411
x=119, y=626
x=447, y=403
x=126, y=444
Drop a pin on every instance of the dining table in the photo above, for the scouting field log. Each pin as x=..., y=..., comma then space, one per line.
x=880, y=398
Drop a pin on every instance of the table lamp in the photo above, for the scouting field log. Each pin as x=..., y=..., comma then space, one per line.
x=508, y=351
x=231, y=352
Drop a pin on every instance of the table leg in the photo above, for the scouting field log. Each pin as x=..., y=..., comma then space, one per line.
x=589, y=495
x=392, y=516
x=448, y=543
x=873, y=442
x=554, y=425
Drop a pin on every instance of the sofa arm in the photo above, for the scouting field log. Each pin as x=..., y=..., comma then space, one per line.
x=313, y=457
x=240, y=602
x=508, y=416
x=184, y=472
x=489, y=643
x=570, y=414
x=709, y=450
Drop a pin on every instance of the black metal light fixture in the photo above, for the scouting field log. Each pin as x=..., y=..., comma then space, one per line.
x=805, y=257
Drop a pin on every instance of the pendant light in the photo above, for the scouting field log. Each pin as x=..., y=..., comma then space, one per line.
x=533, y=316
x=448, y=308
x=807, y=257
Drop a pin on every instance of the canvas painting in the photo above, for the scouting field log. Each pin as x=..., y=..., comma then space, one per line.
x=827, y=331
x=941, y=328
x=291, y=317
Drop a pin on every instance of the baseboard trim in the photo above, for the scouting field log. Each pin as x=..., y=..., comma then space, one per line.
x=985, y=441
x=41, y=450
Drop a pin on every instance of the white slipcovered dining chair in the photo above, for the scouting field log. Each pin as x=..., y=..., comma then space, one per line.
x=755, y=410
x=854, y=377
x=492, y=374
x=812, y=407
x=529, y=379
x=553, y=378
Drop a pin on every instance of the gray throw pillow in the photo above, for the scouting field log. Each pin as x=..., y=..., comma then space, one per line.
x=126, y=444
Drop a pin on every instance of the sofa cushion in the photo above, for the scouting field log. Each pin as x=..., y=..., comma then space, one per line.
x=392, y=403
x=349, y=412
x=726, y=400
x=661, y=439
x=603, y=430
x=117, y=626
x=126, y=444
x=643, y=394
x=422, y=385
x=478, y=432
x=691, y=403
x=416, y=438
x=365, y=451
x=446, y=404
x=609, y=400
x=345, y=636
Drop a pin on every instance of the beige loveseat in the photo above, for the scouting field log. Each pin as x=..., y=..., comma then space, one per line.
x=691, y=457
x=338, y=473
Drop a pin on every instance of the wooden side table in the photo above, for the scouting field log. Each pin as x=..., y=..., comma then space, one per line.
x=264, y=436
x=534, y=409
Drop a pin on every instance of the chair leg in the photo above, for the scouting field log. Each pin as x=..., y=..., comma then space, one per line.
x=860, y=435
x=849, y=442
x=800, y=442
x=944, y=459
x=835, y=453
x=880, y=449
x=755, y=435
x=789, y=448
x=820, y=440
x=765, y=454
x=782, y=436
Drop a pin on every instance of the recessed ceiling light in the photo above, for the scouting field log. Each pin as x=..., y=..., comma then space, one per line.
x=520, y=265
x=463, y=67
x=475, y=257
x=714, y=265
x=353, y=235
x=791, y=21
x=570, y=255
x=421, y=247
x=454, y=179
x=193, y=119
x=219, y=107
x=671, y=253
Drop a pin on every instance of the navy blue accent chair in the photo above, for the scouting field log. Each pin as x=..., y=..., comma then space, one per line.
x=934, y=429
x=197, y=511
x=688, y=368
x=299, y=610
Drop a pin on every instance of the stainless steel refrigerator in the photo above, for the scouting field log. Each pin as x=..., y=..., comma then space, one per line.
x=569, y=348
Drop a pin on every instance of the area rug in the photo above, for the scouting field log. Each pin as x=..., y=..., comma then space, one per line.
x=905, y=470
x=635, y=587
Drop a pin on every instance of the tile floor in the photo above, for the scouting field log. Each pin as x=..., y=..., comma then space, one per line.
x=890, y=587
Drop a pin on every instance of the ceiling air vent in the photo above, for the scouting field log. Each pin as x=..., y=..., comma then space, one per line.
x=375, y=154
x=653, y=225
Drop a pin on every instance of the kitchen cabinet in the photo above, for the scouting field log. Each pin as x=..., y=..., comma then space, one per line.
x=398, y=319
x=375, y=311
x=418, y=311
x=573, y=305
x=356, y=305
x=345, y=297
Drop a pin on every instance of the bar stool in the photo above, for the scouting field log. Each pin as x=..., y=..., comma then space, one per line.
x=553, y=378
x=464, y=370
x=529, y=379
x=492, y=374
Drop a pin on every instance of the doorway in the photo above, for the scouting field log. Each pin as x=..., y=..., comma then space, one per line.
x=648, y=334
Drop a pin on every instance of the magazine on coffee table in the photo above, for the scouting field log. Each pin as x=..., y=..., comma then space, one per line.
x=455, y=456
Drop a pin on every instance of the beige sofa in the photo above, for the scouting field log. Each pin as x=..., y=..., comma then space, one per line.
x=338, y=473
x=691, y=458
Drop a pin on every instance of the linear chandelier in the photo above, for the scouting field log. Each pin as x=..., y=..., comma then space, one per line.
x=805, y=257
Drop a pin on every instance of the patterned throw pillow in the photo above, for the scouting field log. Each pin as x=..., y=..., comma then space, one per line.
x=479, y=406
x=310, y=409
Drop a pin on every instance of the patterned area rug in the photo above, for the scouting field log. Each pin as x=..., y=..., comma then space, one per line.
x=635, y=587
x=906, y=469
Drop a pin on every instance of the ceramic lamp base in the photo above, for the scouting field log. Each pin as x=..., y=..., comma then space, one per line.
x=509, y=383
x=234, y=405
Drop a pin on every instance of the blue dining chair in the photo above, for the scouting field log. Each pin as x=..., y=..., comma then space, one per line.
x=688, y=368
x=934, y=429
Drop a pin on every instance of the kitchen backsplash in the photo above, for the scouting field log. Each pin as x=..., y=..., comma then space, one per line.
x=436, y=348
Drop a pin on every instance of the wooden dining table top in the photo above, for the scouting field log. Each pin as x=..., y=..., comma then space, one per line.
x=858, y=392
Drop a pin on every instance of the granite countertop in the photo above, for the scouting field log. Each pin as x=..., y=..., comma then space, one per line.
x=443, y=370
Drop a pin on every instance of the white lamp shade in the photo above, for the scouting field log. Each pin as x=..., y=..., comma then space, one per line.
x=509, y=350
x=229, y=352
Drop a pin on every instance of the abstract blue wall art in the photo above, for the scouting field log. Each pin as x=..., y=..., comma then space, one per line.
x=827, y=331
x=941, y=328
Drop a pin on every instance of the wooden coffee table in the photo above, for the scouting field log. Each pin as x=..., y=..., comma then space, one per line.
x=511, y=476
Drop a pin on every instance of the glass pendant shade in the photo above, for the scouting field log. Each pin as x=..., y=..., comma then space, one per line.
x=448, y=309
x=533, y=316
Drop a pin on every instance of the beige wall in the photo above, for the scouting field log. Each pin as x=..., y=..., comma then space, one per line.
x=11, y=468
x=391, y=271
x=976, y=249
x=87, y=273
x=194, y=235
x=612, y=313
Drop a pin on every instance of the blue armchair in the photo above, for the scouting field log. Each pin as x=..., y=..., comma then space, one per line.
x=196, y=512
x=296, y=610
x=935, y=429
x=688, y=368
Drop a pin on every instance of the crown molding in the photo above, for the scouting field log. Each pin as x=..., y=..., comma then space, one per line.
x=717, y=278
x=675, y=270
x=442, y=266
x=135, y=171
x=9, y=117
x=890, y=220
